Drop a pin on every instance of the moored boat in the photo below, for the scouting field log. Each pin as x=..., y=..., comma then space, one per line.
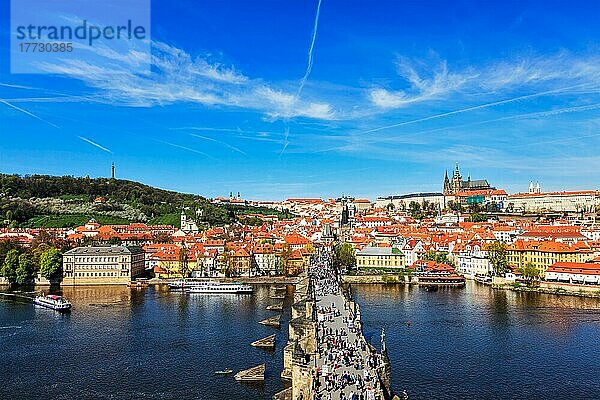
x=224, y=372
x=54, y=302
x=210, y=287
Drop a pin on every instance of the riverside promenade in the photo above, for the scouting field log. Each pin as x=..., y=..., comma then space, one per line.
x=327, y=356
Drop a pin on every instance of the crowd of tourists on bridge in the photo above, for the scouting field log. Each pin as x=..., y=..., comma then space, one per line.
x=346, y=366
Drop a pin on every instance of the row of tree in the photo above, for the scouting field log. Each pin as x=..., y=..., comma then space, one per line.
x=20, y=265
x=21, y=269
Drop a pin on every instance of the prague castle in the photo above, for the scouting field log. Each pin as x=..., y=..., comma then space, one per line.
x=457, y=184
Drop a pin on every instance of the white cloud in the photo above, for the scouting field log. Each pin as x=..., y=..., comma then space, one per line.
x=426, y=84
x=420, y=87
x=178, y=77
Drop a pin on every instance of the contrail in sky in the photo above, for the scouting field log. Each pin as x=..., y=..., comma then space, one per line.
x=310, y=51
x=184, y=148
x=28, y=113
x=306, y=73
x=538, y=114
x=220, y=142
x=285, y=140
x=15, y=86
x=237, y=130
x=95, y=144
x=478, y=107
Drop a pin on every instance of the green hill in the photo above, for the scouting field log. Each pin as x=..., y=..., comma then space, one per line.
x=67, y=201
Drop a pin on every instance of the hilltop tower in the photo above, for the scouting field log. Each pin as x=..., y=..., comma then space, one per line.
x=112, y=171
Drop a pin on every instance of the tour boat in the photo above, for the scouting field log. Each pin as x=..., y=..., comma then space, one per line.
x=181, y=284
x=219, y=287
x=53, y=301
x=224, y=372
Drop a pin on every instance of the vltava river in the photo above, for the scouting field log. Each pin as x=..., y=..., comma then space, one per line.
x=120, y=343
x=471, y=343
x=480, y=343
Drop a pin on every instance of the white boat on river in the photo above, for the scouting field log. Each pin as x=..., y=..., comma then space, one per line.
x=208, y=286
x=54, y=302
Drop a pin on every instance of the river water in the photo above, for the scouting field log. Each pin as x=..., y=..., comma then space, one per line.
x=471, y=343
x=121, y=343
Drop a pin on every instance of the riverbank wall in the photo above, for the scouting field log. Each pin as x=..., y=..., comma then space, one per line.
x=258, y=280
x=39, y=281
x=271, y=280
x=557, y=288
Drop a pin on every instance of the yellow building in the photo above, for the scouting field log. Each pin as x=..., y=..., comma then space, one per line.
x=379, y=258
x=543, y=254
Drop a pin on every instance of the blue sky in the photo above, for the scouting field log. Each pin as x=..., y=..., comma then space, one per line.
x=398, y=92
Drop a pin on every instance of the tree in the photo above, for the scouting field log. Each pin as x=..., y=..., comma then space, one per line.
x=162, y=237
x=497, y=254
x=344, y=256
x=230, y=269
x=477, y=217
x=10, y=265
x=474, y=207
x=115, y=240
x=25, y=272
x=6, y=246
x=284, y=258
x=455, y=206
x=530, y=272
x=183, y=261
x=51, y=264
x=37, y=254
x=310, y=248
x=50, y=239
x=414, y=207
x=440, y=257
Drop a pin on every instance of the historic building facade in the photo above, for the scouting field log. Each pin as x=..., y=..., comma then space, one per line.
x=102, y=265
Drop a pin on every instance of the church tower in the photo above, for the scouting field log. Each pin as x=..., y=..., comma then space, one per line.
x=447, y=188
x=456, y=180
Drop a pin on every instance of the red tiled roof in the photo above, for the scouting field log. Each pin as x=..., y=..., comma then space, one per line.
x=575, y=268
